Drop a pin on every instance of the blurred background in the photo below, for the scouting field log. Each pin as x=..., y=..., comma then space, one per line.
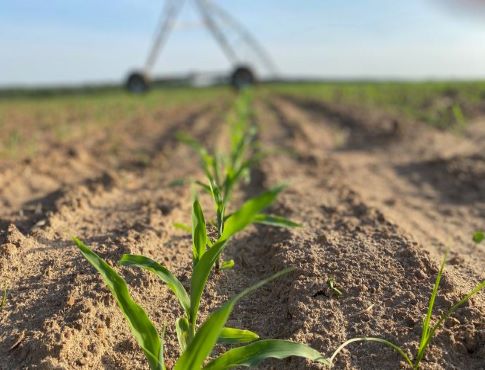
x=84, y=42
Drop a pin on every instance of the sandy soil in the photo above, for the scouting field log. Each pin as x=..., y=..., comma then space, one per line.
x=380, y=199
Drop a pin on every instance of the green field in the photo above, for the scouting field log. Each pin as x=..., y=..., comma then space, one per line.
x=442, y=104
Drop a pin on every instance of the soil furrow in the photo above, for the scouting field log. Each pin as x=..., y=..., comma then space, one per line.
x=436, y=197
x=387, y=277
x=63, y=316
x=359, y=184
x=28, y=189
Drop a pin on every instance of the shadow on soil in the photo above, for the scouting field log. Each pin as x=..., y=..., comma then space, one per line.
x=457, y=180
x=362, y=133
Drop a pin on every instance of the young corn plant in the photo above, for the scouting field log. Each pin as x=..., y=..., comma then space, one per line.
x=224, y=172
x=196, y=343
x=428, y=329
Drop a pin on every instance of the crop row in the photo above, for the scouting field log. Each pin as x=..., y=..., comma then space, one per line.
x=224, y=172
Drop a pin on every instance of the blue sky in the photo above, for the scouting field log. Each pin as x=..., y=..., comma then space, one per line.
x=80, y=41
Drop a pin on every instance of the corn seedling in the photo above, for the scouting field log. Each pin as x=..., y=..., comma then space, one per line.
x=224, y=172
x=204, y=255
x=196, y=345
x=428, y=330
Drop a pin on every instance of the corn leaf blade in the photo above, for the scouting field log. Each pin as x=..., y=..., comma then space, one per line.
x=234, y=336
x=199, y=232
x=248, y=212
x=200, y=275
x=165, y=275
x=183, y=332
x=252, y=354
x=273, y=220
x=206, y=337
x=140, y=325
x=204, y=186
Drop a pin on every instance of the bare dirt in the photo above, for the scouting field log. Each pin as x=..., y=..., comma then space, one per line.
x=380, y=201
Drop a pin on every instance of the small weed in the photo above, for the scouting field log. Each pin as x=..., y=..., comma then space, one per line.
x=183, y=227
x=331, y=283
x=479, y=237
x=428, y=330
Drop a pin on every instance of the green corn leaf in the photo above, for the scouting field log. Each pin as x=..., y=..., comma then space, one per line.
x=206, y=159
x=216, y=168
x=248, y=212
x=216, y=194
x=166, y=276
x=233, y=336
x=140, y=325
x=199, y=232
x=252, y=354
x=204, y=341
x=200, y=275
x=183, y=332
x=206, y=337
x=239, y=171
x=277, y=221
x=189, y=140
x=207, y=165
x=479, y=237
x=204, y=186
x=234, y=175
x=479, y=287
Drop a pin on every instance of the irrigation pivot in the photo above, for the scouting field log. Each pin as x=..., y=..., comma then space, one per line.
x=230, y=34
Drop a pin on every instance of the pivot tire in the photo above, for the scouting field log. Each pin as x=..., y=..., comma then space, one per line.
x=242, y=77
x=137, y=83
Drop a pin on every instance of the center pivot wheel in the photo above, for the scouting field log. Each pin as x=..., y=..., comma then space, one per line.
x=137, y=83
x=242, y=77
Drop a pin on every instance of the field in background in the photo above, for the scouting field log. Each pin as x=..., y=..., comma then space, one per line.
x=30, y=124
x=442, y=104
